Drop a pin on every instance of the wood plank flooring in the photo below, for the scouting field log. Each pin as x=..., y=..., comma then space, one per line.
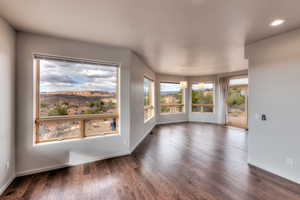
x=188, y=161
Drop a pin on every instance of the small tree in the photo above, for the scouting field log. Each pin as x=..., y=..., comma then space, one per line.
x=44, y=105
x=58, y=110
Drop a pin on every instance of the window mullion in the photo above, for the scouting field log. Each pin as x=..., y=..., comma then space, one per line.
x=37, y=101
x=82, y=126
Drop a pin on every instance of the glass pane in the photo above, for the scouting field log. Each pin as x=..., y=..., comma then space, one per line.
x=56, y=130
x=202, y=108
x=147, y=92
x=203, y=97
x=69, y=88
x=148, y=99
x=101, y=127
x=170, y=96
x=148, y=113
x=238, y=81
x=171, y=108
x=237, y=106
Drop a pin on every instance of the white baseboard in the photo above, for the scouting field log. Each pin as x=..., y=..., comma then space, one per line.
x=172, y=122
x=206, y=122
x=275, y=172
x=142, y=138
x=102, y=157
x=5, y=186
x=63, y=165
x=42, y=169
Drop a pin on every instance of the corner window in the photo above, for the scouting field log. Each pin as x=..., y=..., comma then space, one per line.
x=203, y=97
x=75, y=99
x=148, y=99
x=171, y=98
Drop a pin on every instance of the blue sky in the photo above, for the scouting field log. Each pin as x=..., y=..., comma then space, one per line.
x=68, y=76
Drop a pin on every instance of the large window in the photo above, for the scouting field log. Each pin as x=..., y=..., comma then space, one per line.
x=75, y=99
x=148, y=99
x=203, y=97
x=171, y=98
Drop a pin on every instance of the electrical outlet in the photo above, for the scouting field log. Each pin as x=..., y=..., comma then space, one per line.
x=257, y=116
x=7, y=165
x=289, y=162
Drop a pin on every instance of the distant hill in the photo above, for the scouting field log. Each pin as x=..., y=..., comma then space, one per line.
x=79, y=98
x=85, y=93
x=168, y=92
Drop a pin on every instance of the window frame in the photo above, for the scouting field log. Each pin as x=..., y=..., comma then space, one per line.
x=82, y=117
x=181, y=105
x=214, y=97
x=153, y=98
x=238, y=85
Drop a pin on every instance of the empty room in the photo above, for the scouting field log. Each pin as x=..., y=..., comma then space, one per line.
x=149, y=100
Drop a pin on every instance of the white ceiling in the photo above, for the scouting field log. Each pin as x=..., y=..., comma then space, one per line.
x=183, y=37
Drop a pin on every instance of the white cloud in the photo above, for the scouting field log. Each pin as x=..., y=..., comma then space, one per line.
x=69, y=76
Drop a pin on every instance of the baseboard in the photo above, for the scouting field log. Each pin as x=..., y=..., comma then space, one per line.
x=202, y=122
x=63, y=165
x=142, y=138
x=172, y=122
x=42, y=169
x=274, y=172
x=102, y=157
x=5, y=186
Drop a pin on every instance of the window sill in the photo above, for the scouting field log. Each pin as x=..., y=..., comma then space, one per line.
x=76, y=139
x=178, y=113
x=204, y=113
x=145, y=122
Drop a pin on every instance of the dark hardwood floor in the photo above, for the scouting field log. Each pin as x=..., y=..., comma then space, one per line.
x=178, y=161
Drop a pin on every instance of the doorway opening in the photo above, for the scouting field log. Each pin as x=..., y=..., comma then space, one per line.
x=237, y=102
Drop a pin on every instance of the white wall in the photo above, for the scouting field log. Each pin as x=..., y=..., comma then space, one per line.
x=7, y=88
x=32, y=158
x=174, y=117
x=274, y=71
x=139, y=129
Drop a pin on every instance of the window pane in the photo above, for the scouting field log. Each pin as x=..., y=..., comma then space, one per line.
x=147, y=92
x=57, y=130
x=171, y=98
x=148, y=112
x=237, y=103
x=203, y=97
x=238, y=81
x=101, y=127
x=73, y=91
x=148, y=99
x=68, y=88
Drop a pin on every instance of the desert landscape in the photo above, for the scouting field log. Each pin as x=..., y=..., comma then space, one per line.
x=72, y=103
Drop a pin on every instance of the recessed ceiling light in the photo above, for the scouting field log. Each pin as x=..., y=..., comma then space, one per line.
x=277, y=22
